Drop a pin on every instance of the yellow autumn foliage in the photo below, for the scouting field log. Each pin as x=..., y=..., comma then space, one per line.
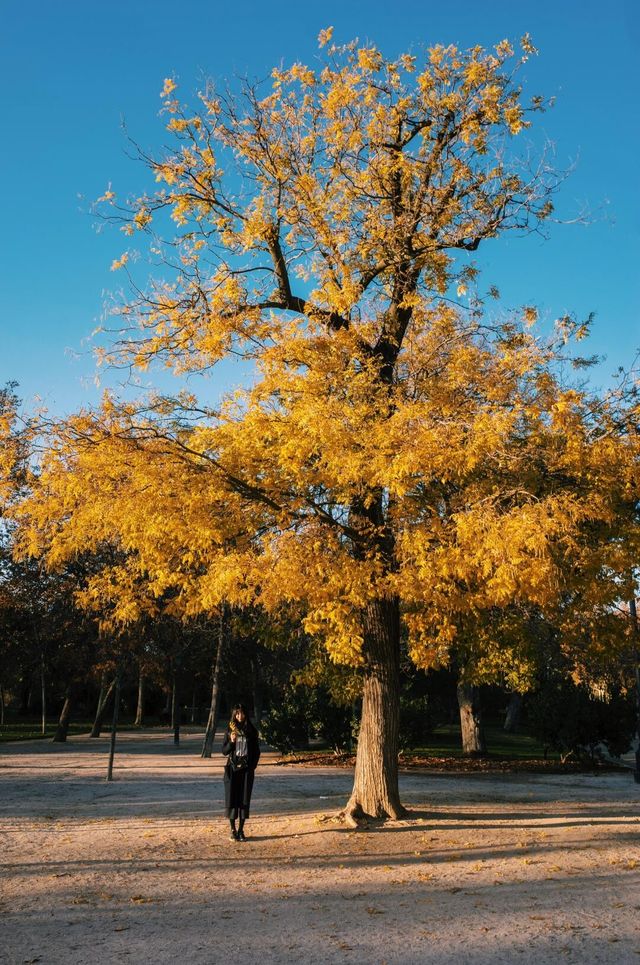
x=392, y=448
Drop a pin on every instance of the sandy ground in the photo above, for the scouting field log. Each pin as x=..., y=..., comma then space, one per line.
x=487, y=869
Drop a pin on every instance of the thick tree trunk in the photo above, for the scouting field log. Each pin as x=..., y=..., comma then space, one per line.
x=62, y=729
x=473, y=739
x=140, y=706
x=210, y=731
x=512, y=718
x=375, y=789
x=101, y=709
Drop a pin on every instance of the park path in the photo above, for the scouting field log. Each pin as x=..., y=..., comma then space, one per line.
x=486, y=868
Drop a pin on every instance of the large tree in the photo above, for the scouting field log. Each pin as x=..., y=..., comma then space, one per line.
x=398, y=455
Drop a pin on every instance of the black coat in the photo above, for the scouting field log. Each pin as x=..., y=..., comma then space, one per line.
x=238, y=785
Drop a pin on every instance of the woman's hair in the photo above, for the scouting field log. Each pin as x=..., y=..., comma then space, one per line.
x=233, y=723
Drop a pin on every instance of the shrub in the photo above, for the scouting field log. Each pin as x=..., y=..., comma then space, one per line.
x=304, y=712
x=569, y=718
x=416, y=722
x=288, y=724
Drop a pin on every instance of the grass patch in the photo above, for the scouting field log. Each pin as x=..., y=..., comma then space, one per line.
x=446, y=741
x=518, y=752
x=31, y=729
x=27, y=731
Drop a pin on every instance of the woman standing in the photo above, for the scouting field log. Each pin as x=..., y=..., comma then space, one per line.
x=242, y=749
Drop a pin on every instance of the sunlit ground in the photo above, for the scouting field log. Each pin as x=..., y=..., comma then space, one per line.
x=486, y=869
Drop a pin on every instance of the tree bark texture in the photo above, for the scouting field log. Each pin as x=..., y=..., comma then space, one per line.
x=210, y=731
x=375, y=789
x=473, y=739
x=140, y=706
x=62, y=729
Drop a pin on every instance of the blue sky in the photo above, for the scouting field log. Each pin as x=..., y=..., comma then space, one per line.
x=71, y=71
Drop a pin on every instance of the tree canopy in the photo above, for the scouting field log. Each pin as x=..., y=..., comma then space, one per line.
x=401, y=455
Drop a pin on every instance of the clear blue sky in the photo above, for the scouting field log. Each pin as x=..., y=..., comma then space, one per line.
x=72, y=70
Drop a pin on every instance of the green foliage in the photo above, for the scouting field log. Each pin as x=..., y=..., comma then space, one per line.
x=287, y=726
x=335, y=724
x=304, y=712
x=571, y=719
x=416, y=722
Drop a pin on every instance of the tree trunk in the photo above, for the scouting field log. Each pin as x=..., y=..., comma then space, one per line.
x=101, y=710
x=473, y=739
x=25, y=690
x=114, y=725
x=103, y=684
x=62, y=729
x=257, y=691
x=175, y=712
x=210, y=731
x=375, y=789
x=512, y=718
x=140, y=707
x=165, y=713
x=43, y=694
x=194, y=695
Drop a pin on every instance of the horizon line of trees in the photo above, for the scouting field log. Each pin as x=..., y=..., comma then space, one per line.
x=56, y=662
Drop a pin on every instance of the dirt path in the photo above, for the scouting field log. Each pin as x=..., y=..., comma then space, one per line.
x=487, y=869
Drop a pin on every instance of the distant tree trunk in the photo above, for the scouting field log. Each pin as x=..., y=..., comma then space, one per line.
x=25, y=697
x=101, y=701
x=210, y=731
x=101, y=710
x=43, y=694
x=512, y=718
x=165, y=713
x=140, y=707
x=193, y=704
x=114, y=724
x=257, y=691
x=473, y=739
x=175, y=711
x=375, y=789
x=62, y=729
